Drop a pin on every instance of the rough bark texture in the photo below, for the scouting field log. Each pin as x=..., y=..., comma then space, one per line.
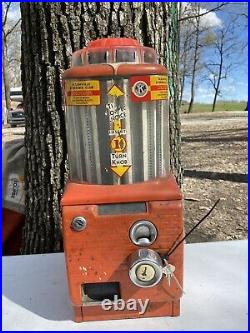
x=50, y=33
x=194, y=70
x=217, y=84
x=5, y=77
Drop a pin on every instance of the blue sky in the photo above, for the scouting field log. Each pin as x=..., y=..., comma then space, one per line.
x=235, y=87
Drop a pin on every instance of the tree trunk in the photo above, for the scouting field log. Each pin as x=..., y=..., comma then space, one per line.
x=182, y=86
x=215, y=99
x=6, y=82
x=172, y=63
x=190, y=107
x=217, y=87
x=51, y=31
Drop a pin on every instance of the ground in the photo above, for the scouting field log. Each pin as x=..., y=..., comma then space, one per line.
x=215, y=147
x=214, y=154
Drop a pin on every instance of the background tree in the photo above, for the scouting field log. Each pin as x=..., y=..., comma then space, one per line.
x=197, y=43
x=225, y=44
x=196, y=56
x=51, y=31
x=195, y=36
x=10, y=49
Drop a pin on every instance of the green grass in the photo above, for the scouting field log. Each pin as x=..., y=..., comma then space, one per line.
x=220, y=106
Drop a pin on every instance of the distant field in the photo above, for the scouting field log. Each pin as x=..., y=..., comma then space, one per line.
x=220, y=106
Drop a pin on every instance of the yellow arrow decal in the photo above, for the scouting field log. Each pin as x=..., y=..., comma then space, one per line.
x=115, y=91
x=120, y=170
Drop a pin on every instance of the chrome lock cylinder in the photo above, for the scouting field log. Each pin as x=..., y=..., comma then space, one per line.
x=146, y=268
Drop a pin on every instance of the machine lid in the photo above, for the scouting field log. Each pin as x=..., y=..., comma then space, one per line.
x=113, y=51
x=109, y=42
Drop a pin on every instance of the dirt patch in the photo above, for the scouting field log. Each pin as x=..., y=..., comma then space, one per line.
x=212, y=151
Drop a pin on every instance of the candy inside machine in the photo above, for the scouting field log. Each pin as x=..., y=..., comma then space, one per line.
x=121, y=208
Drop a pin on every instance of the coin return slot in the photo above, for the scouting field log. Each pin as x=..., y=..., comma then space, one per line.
x=143, y=233
x=95, y=293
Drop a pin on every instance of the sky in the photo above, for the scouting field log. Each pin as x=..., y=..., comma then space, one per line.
x=235, y=87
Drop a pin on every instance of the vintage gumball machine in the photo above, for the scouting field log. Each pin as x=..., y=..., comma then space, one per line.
x=122, y=209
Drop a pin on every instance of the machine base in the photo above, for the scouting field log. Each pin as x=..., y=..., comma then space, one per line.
x=96, y=313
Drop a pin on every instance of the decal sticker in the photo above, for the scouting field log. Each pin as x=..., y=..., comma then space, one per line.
x=118, y=144
x=82, y=92
x=120, y=170
x=148, y=88
x=119, y=159
x=140, y=88
x=159, y=88
x=115, y=91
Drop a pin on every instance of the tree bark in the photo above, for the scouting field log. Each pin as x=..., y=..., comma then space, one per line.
x=6, y=82
x=196, y=58
x=217, y=86
x=51, y=31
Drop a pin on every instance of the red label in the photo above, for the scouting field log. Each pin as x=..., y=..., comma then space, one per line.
x=148, y=88
x=140, y=88
x=84, y=93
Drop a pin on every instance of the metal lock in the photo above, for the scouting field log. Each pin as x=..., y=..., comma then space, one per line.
x=78, y=223
x=143, y=233
x=146, y=268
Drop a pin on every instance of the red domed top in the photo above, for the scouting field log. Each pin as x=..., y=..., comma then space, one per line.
x=111, y=42
x=114, y=50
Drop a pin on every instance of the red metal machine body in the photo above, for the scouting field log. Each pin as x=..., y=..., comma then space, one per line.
x=118, y=222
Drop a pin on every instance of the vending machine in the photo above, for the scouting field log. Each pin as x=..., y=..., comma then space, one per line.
x=122, y=208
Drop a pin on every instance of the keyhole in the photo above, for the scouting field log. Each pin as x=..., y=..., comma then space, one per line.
x=144, y=273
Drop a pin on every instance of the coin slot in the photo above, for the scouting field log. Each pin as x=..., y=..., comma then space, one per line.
x=143, y=233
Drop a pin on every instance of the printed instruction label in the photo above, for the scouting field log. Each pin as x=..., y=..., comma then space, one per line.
x=119, y=161
x=82, y=92
x=148, y=88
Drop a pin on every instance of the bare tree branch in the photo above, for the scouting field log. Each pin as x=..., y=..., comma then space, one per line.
x=205, y=13
x=12, y=28
x=6, y=14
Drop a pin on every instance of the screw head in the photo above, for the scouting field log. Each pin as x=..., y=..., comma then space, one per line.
x=78, y=223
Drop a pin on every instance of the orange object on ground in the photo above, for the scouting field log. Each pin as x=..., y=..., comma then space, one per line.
x=100, y=252
x=12, y=224
x=13, y=193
